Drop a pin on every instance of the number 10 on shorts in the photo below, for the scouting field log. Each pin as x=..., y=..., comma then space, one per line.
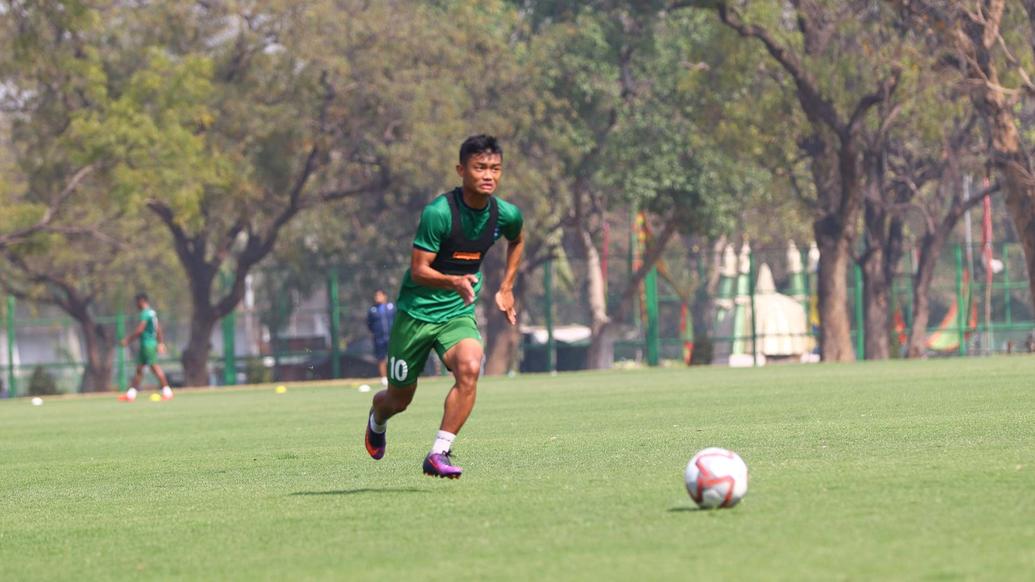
x=397, y=369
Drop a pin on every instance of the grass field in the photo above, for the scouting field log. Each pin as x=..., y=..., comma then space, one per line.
x=914, y=470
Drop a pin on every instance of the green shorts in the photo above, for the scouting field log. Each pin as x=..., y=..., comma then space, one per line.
x=148, y=354
x=411, y=342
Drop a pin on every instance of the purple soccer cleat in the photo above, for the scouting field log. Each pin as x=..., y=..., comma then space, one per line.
x=441, y=465
x=375, y=442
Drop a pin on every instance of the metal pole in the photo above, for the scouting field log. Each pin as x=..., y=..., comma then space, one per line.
x=633, y=252
x=120, y=355
x=860, y=326
x=279, y=321
x=808, y=294
x=651, y=283
x=960, y=300
x=229, y=336
x=751, y=296
x=1008, y=304
x=12, y=387
x=968, y=180
x=551, y=348
x=334, y=309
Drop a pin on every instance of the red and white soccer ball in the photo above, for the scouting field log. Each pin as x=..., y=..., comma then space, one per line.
x=716, y=478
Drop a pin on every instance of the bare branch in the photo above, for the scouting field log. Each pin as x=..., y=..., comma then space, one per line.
x=813, y=101
x=52, y=210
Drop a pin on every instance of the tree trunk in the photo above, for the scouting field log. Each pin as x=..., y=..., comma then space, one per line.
x=502, y=339
x=875, y=301
x=1009, y=157
x=205, y=314
x=927, y=260
x=502, y=345
x=1019, y=182
x=876, y=283
x=835, y=325
x=703, y=304
x=100, y=351
x=199, y=346
x=602, y=343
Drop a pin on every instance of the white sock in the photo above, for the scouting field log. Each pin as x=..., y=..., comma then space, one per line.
x=167, y=391
x=384, y=381
x=378, y=428
x=131, y=393
x=443, y=442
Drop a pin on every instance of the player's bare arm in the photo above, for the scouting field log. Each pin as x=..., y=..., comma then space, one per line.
x=505, y=296
x=423, y=274
x=160, y=334
x=136, y=333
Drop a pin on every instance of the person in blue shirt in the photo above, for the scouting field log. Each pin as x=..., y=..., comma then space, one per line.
x=379, y=321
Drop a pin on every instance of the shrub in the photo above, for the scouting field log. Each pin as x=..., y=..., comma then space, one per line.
x=256, y=372
x=42, y=383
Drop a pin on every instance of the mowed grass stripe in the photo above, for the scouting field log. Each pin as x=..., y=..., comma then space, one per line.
x=900, y=470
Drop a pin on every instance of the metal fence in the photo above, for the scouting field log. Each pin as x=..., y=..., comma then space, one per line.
x=287, y=336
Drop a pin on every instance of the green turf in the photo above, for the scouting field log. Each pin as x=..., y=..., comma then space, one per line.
x=916, y=470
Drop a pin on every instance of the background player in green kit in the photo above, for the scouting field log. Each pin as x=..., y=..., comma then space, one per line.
x=435, y=309
x=152, y=343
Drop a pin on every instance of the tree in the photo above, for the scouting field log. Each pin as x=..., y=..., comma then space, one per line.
x=63, y=248
x=279, y=112
x=978, y=39
x=448, y=94
x=34, y=50
x=634, y=132
x=836, y=102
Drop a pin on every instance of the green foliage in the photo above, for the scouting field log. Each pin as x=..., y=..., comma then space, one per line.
x=42, y=383
x=242, y=120
x=256, y=372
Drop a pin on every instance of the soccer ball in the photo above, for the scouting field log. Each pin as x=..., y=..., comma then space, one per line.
x=716, y=478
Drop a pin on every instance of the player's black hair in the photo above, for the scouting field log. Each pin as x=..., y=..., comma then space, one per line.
x=479, y=144
x=142, y=297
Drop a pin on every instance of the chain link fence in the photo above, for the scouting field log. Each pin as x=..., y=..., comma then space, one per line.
x=695, y=307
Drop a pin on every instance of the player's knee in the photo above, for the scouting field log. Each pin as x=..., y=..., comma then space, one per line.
x=469, y=368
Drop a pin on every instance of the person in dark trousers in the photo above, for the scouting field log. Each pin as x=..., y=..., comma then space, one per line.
x=379, y=321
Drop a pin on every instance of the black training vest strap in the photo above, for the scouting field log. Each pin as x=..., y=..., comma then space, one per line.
x=458, y=255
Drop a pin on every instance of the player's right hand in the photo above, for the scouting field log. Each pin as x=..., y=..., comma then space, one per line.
x=464, y=285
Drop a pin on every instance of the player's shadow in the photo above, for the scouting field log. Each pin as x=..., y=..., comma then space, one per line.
x=360, y=491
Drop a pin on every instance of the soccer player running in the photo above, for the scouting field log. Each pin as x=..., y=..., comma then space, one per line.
x=152, y=343
x=436, y=303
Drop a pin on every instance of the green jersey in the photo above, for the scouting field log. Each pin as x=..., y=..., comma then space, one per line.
x=436, y=222
x=150, y=318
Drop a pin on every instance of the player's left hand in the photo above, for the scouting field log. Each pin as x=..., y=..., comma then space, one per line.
x=161, y=348
x=505, y=302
